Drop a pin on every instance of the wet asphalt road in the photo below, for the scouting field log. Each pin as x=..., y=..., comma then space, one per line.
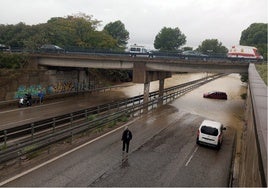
x=171, y=158
x=162, y=153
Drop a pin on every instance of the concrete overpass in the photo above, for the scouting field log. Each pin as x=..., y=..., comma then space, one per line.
x=145, y=70
x=150, y=64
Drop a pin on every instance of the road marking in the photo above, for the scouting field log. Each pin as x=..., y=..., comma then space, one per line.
x=62, y=155
x=191, y=157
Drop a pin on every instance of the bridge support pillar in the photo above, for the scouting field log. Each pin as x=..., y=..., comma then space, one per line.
x=161, y=91
x=146, y=96
x=83, y=80
x=142, y=75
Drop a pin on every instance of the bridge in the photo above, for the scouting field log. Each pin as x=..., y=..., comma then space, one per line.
x=149, y=64
x=145, y=70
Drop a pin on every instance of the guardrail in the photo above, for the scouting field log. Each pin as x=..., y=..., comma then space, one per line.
x=21, y=140
x=152, y=54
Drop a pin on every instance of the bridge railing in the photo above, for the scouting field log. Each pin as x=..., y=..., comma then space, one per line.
x=75, y=50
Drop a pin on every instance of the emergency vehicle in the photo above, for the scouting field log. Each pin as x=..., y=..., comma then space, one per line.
x=249, y=52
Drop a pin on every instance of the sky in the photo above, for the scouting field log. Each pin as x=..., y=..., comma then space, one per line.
x=143, y=19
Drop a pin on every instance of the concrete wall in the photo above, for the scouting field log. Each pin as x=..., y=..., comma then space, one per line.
x=22, y=80
x=253, y=163
x=51, y=81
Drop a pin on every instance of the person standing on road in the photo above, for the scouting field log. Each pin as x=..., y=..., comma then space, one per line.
x=126, y=137
x=41, y=96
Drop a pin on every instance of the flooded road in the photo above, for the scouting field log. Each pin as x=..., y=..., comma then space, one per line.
x=171, y=158
x=230, y=112
x=176, y=79
x=163, y=151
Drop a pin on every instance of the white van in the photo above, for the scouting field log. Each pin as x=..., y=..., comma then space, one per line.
x=210, y=133
x=141, y=51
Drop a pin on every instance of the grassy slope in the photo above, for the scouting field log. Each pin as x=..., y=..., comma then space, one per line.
x=262, y=69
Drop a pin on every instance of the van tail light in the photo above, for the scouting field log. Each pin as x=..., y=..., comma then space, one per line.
x=198, y=132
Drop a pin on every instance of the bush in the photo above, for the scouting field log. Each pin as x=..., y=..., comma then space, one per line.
x=244, y=96
x=13, y=61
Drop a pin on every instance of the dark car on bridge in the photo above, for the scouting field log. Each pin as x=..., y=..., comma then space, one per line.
x=215, y=95
x=50, y=48
x=189, y=54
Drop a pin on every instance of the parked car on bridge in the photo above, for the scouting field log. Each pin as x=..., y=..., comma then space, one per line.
x=50, y=48
x=210, y=133
x=189, y=54
x=215, y=95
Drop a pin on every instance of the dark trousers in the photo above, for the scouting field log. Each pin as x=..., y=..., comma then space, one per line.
x=125, y=145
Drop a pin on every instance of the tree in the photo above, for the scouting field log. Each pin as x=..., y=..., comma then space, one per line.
x=169, y=39
x=118, y=32
x=256, y=35
x=212, y=46
x=78, y=30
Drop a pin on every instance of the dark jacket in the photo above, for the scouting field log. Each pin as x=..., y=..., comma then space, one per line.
x=126, y=136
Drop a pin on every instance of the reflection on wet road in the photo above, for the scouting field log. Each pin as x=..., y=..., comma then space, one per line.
x=171, y=158
x=163, y=151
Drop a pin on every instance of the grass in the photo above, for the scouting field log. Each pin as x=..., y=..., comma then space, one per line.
x=262, y=70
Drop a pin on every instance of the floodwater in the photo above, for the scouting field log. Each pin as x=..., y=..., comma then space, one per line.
x=176, y=79
x=230, y=112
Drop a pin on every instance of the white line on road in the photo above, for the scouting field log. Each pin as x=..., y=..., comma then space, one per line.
x=191, y=157
x=60, y=156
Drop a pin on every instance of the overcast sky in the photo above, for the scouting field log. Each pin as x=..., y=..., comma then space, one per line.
x=197, y=19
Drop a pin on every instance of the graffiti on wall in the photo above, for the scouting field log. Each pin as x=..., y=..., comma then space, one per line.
x=33, y=90
x=58, y=87
x=62, y=87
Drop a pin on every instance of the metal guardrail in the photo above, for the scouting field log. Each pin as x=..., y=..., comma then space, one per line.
x=18, y=141
x=75, y=50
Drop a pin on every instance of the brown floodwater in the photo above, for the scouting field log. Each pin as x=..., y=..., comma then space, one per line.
x=230, y=112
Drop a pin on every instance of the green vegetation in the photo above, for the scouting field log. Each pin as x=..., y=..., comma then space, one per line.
x=72, y=31
x=262, y=70
x=31, y=151
x=13, y=61
x=169, y=39
x=256, y=35
x=3, y=147
x=212, y=46
x=243, y=96
x=117, y=31
x=91, y=117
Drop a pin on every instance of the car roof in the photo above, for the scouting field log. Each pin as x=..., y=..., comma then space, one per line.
x=216, y=92
x=210, y=123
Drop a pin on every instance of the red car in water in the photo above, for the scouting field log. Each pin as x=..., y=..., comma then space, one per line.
x=215, y=95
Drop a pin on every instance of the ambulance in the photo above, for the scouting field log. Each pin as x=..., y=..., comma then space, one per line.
x=248, y=52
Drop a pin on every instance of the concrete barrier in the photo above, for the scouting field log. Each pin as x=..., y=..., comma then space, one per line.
x=253, y=164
